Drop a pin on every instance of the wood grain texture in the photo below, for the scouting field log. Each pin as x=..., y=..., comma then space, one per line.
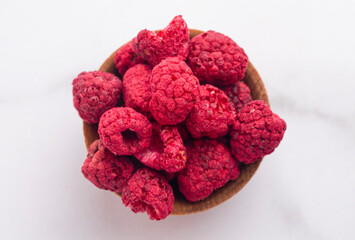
x=181, y=206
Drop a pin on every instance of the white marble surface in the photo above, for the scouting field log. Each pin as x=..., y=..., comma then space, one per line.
x=304, y=51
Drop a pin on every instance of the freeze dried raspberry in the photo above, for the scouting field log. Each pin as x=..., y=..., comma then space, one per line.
x=149, y=191
x=212, y=116
x=238, y=95
x=256, y=132
x=174, y=91
x=136, y=88
x=174, y=157
x=94, y=93
x=166, y=152
x=169, y=42
x=216, y=59
x=126, y=58
x=105, y=170
x=124, y=131
x=210, y=165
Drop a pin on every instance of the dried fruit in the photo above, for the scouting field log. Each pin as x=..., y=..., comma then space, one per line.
x=212, y=115
x=238, y=95
x=126, y=58
x=136, y=88
x=169, y=42
x=210, y=165
x=94, y=93
x=149, y=191
x=256, y=132
x=124, y=131
x=166, y=152
x=174, y=91
x=105, y=170
x=162, y=72
x=216, y=59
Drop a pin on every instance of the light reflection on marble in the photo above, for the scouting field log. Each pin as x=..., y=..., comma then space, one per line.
x=304, y=190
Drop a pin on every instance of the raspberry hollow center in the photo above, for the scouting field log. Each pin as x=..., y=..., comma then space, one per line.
x=129, y=136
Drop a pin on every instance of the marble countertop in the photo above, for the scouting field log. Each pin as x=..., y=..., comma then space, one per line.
x=304, y=51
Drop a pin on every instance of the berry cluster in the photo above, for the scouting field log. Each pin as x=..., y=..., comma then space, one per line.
x=185, y=114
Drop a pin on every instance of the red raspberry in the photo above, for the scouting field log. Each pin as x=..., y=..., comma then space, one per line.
x=169, y=42
x=238, y=95
x=105, y=170
x=212, y=116
x=125, y=58
x=136, y=88
x=210, y=165
x=216, y=59
x=94, y=93
x=124, y=131
x=167, y=151
x=256, y=132
x=149, y=191
x=174, y=91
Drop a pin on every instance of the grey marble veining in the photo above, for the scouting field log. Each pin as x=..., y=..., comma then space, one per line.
x=289, y=105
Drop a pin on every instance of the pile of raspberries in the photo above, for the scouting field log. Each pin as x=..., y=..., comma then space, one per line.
x=178, y=111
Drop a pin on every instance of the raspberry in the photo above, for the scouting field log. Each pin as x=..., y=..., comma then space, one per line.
x=216, y=59
x=149, y=191
x=167, y=151
x=238, y=95
x=94, y=93
x=125, y=58
x=105, y=170
x=174, y=91
x=124, y=131
x=212, y=116
x=169, y=42
x=136, y=88
x=210, y=165
x=256, y=132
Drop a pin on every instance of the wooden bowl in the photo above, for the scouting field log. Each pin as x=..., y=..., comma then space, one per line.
x=181, y=205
